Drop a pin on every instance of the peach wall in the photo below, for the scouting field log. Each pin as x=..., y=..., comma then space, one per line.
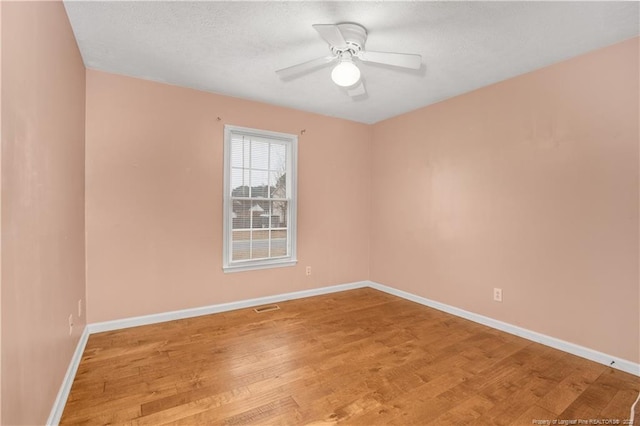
x=530, y=185
x=43, y=111
x=154, y=198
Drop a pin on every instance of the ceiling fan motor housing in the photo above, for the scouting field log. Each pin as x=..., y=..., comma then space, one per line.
x=355, y=35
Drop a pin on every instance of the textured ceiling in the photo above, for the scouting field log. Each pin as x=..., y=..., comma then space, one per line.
x=234, y=48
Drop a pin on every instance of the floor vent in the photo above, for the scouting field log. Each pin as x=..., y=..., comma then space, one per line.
x=267, y=308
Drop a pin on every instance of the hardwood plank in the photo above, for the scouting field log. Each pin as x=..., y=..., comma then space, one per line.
x=569, y=389
x=468, y=412
x=592, y=400
x=358, y=357
x=535, y=415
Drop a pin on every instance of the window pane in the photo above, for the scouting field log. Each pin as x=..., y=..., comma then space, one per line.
x=270, y=220
x=239, y=182
x=240, y=245
x=259, y=155
x=259, y=184
x=255, y=212
x=278, y=184
x=278, y=243
x=278, y=157
x=279, y=213
x=259, y=244
x=260, y=211
x=240, y=153
x=241, y=214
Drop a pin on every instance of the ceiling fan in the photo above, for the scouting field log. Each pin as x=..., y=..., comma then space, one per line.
x=346, y=42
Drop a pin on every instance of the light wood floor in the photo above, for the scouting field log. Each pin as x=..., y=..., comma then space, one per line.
x=357, y=357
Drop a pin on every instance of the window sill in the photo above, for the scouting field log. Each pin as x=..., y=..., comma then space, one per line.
x=259, y=265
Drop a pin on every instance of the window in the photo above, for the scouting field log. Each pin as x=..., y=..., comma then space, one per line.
x=259, y=199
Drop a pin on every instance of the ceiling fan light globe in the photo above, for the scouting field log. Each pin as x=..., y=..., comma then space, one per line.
x=345, y=74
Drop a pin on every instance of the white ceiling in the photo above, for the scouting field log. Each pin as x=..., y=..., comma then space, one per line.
x=234, y=48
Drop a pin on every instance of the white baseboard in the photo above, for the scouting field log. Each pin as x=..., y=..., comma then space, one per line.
x=214, y=309
x=67, y=381
x=572, y=348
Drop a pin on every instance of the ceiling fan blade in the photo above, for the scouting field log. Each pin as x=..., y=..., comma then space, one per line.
x=404, y=60
x=357, y=90
x=296, y=70
x=331, y=34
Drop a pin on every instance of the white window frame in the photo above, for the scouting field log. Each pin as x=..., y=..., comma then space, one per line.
x=291, y=141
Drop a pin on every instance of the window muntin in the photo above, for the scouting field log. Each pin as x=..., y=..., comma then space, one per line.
x=259, y=199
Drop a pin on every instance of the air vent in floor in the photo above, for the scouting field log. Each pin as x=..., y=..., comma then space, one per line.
x=267, y=308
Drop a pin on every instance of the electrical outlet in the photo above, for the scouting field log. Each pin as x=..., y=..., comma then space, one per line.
x=308, y=271
x=70, y=324
x=497, y=294
x=80, y=308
